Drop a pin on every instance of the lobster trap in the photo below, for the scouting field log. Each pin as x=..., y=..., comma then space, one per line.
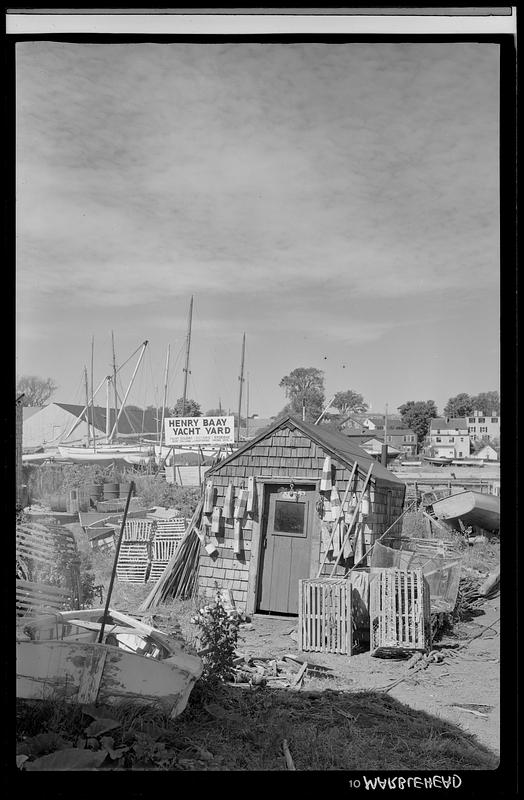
x=325, y=618
x=399, y=611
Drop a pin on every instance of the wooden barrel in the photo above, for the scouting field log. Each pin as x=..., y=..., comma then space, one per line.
x=93, y=490
x=58, y=501
x=111, y=491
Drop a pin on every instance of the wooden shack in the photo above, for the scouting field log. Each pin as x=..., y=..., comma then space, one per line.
x=260, y=550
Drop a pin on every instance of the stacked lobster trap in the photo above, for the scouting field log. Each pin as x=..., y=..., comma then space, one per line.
x=147, y=547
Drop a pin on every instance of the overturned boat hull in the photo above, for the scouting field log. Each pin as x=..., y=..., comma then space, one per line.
x=61, y=658
x=471, y=508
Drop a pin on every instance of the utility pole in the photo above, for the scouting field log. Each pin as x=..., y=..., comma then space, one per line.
x=115, y=429
x=241, y=379
x=87, y=407
x=188, y=345
x=162, y=432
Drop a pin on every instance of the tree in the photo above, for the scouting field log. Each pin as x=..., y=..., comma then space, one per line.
x=459, y=406
x=350, y=402
x=486, y=403
x=37, y=391
x=478, y=444
x=304, y=387
x=192, y=409
x=417, y=415
x=215, y=412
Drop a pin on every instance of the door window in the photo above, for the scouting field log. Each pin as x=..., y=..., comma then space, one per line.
x=290, y=518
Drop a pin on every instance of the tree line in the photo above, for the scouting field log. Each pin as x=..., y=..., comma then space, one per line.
x=305, y=394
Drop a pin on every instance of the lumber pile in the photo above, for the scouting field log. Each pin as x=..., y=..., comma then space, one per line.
x=179, y=576
x=287, y=672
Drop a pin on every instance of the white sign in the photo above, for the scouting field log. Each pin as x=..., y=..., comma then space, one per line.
x=198, y=431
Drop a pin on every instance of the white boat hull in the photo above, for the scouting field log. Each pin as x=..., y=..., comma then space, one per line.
x=77, y=669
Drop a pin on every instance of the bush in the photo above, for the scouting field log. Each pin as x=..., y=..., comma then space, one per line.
x=154, y=491
x=218, y=638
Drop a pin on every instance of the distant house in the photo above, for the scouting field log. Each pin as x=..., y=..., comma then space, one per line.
x=55, y=423
x=487, y=453
x=448, y=437
x=483, y=426
x=399, y=440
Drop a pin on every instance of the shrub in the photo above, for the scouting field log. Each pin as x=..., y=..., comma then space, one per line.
x=154, y=491
x=218, y=639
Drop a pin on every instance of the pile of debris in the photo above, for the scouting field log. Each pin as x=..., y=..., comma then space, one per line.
x=287, y=672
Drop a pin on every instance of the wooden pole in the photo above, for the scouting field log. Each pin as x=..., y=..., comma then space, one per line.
x=113, y=573
x=108, y=408
x=162, y=431
x=188, y=345
x=115, y=427
x=341, y=511
x=353, y=518
x=87, y=405
x=92, y=392
x=115, y=430
x=247, y=407
x=241, y=379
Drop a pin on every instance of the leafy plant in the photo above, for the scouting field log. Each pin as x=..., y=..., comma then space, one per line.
x=218, y=639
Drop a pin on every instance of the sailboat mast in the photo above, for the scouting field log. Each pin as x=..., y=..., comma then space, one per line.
x=188, y=345
x=115, y=429
x=92, y=392
x=247, y=407
x=162, y=431
x=108, y=421
x=241, y=379
x=87, y=407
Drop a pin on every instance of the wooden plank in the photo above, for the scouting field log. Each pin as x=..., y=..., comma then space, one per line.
x=32, y=587
x=92, y=675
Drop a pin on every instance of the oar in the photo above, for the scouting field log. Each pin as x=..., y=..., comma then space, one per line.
x=353, y=518
x=111, y=582
x=348, y=487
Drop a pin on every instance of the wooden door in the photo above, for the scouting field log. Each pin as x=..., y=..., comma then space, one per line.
x=286, y=547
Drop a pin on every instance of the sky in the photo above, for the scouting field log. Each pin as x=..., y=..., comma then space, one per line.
x=338, y=203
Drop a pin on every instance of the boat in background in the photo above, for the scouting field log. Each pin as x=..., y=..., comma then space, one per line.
x=471, y=508
x=438, y=460
x=58, y=655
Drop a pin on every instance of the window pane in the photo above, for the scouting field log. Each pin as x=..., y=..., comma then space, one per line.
x=289, y=516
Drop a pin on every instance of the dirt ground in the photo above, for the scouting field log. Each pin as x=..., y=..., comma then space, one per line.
x=468, y=679
x=463, y=689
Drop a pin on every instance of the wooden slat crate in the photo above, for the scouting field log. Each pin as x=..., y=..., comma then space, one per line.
x=165, y=543
x=325, y=620
x=399, y=612
x=34, y=597
x=133, y=561
x=175, y=527
x=139, y=530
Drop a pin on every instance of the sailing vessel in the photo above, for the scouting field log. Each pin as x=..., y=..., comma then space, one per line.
x=108, y=450
x=58, y=655
x=438, y=461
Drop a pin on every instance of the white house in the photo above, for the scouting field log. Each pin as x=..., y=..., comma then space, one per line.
x=487, y=453
x=482, y=425
x=449, y=437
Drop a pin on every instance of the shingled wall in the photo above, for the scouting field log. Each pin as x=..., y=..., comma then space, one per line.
x=289, y=454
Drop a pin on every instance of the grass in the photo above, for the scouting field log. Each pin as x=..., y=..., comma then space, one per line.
x=237, y=730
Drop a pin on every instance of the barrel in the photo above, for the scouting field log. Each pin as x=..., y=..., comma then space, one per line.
x=111, y=491
x=124, y=489
x=93, y=490
x=58, y=502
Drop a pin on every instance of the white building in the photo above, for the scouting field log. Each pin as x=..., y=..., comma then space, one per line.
x=449, y=437
x=482, y=425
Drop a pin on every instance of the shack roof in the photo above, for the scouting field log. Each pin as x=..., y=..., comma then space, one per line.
x=333, y=442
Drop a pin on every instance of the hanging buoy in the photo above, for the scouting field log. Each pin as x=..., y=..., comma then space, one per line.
x=326, y=482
